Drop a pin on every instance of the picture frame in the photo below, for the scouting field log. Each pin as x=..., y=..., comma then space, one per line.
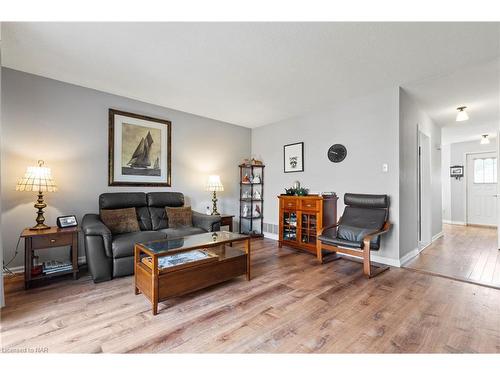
x=139, y=150
x=293, y=157
x=457, y=171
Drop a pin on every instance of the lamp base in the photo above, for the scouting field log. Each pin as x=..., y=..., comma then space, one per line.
x=214, y=202
x=40, y=205
x=40, y=227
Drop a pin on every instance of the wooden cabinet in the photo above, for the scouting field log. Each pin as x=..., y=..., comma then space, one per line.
x=301, y=219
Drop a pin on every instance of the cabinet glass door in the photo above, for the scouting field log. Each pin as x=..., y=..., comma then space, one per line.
x=289, y=226
x=308, y=229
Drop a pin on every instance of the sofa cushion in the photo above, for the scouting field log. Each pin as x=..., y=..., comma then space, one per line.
x=346, y=243
x=121, y=200
x=165, y=199
x=158, y=218
x=109, y=201
x=179, y=217
x=181, y=232
x=157, y=201
x=123, y=244
x=123, y=220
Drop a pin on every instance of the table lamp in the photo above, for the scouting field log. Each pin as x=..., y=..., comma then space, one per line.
x=37, y=179
x=214, y=185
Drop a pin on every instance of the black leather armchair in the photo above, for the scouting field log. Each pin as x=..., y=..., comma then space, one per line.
x=358, y=231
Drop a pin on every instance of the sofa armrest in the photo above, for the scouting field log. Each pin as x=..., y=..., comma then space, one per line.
x=93, y=226
x=210, y=223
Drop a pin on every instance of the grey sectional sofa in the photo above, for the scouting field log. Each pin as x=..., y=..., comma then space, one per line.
x=110, y=255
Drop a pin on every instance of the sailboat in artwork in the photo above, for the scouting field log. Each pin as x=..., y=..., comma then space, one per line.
x=140, y=157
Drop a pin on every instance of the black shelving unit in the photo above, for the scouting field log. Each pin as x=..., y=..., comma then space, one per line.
x=250, y=224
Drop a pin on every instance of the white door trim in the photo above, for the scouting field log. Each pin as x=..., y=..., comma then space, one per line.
x=466, y=180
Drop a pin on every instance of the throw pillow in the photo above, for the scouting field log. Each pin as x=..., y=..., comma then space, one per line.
x=179, y=216
x=123, y=220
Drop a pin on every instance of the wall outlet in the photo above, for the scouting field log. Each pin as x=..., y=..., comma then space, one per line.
x=385, y=168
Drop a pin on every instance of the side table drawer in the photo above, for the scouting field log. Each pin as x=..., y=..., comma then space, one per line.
x=40, y=242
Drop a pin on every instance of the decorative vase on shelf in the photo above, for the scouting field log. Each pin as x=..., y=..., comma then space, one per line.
x=245, y=210
x=256, y=211
x=246, y=179
x=256, y=179
x=257, y=195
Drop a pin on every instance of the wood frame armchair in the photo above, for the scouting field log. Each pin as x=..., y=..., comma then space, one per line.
x=355, y=233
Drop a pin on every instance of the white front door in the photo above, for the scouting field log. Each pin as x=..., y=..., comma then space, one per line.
x=482, y=188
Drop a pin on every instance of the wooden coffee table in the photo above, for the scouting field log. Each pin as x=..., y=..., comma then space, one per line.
x=176, y=266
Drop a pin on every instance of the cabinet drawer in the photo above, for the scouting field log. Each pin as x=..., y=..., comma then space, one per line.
x=289, y=204
x=41, y=242
x=310, y=205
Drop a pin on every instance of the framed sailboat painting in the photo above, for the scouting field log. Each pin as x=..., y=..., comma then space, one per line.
x=139, y=150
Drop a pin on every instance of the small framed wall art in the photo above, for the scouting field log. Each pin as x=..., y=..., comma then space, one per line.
x=457, y=171
x=139, y=150
x=293, y=157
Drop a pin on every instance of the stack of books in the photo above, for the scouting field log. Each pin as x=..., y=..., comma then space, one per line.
x=53, y=266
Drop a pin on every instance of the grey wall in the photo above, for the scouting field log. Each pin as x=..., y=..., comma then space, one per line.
x=1, y=247
x=67, y=126
x=456, y=192
x=367, y=126
x=410, y=115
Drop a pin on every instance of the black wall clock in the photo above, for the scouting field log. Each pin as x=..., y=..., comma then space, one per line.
x=337, y=153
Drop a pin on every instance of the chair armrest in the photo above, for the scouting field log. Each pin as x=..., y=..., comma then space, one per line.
x=210, y=223
x=93, y=226
x=324, y=229
x=367, y=239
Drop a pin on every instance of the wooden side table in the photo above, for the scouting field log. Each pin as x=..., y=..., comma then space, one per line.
x=45, y=239
x=227, y=220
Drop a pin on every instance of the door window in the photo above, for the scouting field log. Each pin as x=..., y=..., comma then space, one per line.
x=485, y=171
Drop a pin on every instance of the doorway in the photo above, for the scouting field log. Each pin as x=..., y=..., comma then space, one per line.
x=424, y=191
x=481, y=175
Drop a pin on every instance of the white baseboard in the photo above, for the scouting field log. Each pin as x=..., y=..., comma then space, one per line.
x=412, y=254
x=437, y=236
x=20, y=269
x=384, y=260
x=271, y=236
x=454, y=222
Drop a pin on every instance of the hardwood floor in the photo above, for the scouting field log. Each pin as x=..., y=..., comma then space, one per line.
x=464, y=252
x=292, y=304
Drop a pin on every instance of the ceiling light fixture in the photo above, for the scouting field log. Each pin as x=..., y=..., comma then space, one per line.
x=485, y=140
x=462, y=115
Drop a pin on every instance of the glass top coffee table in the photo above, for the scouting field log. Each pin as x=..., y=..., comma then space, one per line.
x=175, y=266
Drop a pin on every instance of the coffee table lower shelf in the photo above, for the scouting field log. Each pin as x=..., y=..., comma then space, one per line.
x=160, y=284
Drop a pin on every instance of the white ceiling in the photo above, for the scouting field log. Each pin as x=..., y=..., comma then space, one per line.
x=249, y=74
x=477, y=87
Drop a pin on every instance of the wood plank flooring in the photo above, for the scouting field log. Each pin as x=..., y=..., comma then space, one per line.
x=292, y=305
x=465, y=253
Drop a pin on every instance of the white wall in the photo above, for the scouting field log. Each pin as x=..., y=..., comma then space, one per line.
x=412, y=116
x=367, y=126
x=455, y=191
x=67, y=126
x=446, y=182
x=2, y=301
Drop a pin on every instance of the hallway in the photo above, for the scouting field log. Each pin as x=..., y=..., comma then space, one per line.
x=465, y=253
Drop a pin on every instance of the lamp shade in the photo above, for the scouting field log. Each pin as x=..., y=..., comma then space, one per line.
x=37, y=179
x=214, y=184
